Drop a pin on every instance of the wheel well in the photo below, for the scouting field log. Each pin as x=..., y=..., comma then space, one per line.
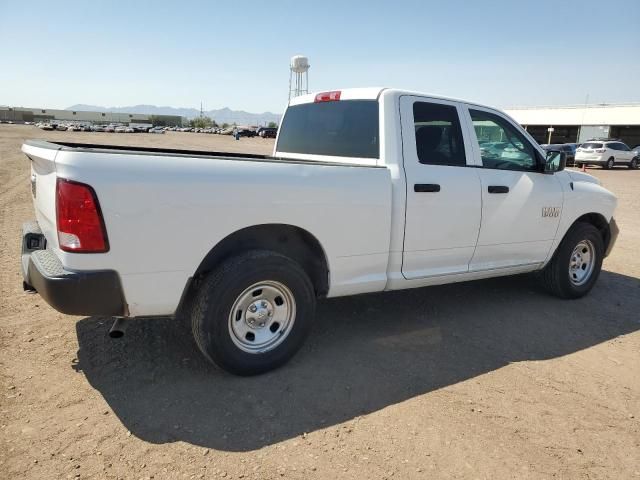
x=294, y=242
x=598, y=221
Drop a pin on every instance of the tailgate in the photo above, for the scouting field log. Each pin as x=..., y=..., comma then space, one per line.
x=43, y=185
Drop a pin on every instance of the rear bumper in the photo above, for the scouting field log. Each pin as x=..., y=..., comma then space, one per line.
x=95, y=292
x=597, y=161
x=613, y=236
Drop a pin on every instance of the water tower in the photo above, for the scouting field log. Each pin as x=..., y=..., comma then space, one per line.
x=298, y=76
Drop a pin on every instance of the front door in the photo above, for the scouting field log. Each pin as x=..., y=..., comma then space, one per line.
x=442, y=218
x=521, y=206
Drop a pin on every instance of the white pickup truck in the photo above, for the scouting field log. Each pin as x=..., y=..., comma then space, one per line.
x=367, y=190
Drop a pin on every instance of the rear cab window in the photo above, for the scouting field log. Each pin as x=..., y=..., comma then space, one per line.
x=343, y=128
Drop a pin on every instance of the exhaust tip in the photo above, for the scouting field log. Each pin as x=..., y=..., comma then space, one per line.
x=118, y=328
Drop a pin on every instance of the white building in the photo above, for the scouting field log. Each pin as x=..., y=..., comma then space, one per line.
x=578, y=123
x=20, y=114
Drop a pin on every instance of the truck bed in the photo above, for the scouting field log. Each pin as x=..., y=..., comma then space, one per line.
x=165, y=209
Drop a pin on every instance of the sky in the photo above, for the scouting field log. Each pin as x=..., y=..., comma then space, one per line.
x=236, y=54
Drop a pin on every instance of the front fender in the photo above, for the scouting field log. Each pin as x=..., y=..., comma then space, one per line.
x=582, y=196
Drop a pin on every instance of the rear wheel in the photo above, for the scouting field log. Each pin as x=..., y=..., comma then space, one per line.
x=575, y=266
x=610, y=164
x=253, y=313
x=634, y=163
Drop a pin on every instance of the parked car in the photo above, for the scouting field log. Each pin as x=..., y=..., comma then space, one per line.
x=567, y=148
x=607, y=153
x=268, y=133
x=97, y=128
x=46, y=126
x=156, y=130
x=110, y=129
x=242, y=245
x=244, y=132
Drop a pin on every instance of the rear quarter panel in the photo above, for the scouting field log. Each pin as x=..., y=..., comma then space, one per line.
x=164, y=213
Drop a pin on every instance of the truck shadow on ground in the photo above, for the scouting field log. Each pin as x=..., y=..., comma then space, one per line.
x=366, y=353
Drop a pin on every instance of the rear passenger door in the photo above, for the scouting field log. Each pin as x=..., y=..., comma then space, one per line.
x=443, y=207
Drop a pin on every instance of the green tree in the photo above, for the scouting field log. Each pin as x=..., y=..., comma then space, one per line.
x=225, y=125
x=272, y=125
x=201, y=122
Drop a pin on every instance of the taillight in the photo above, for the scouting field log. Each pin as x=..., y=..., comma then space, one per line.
x=80, y=223
x=328, y=96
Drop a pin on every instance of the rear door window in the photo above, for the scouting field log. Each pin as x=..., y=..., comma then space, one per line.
x=343, y=128
x=438, y=134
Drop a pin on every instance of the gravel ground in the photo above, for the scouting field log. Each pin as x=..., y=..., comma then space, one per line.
x=491, y=379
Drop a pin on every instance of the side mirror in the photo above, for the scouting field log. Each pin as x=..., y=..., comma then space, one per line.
x=555, y=161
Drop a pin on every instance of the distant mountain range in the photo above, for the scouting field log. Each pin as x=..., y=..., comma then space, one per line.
x=224, y=115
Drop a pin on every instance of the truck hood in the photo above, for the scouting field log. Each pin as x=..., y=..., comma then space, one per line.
x=582, y=177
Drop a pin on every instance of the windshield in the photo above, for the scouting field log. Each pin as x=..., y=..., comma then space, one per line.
x=344, y=128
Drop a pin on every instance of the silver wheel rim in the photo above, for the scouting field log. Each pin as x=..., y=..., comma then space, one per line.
x=582, y=262
x=610, y=163
x=262, y=317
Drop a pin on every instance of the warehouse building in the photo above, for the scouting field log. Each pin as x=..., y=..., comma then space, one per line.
x=577, y=124
x=19, y=115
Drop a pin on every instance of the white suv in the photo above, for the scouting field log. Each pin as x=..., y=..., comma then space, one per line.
x=607, y=153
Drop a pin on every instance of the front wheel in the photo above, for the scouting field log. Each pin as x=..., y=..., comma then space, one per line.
x=634, y=163
x=253, y=313
x=575, y=266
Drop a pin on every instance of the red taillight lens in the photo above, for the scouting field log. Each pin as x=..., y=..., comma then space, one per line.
x=80, y=224
x=328, y=96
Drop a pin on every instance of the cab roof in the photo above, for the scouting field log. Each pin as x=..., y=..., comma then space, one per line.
x=373, y=93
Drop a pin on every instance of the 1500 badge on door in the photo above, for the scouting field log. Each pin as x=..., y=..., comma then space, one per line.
x=550, y=211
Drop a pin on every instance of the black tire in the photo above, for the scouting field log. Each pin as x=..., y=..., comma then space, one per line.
x=610, y=164
x=556, y=277
x=210, y=320
x=634, y=163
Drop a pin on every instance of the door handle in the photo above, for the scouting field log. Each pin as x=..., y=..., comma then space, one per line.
x=426, y=187
x=498, y=189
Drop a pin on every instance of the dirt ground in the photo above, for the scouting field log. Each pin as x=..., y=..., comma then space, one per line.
x=487, y=380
